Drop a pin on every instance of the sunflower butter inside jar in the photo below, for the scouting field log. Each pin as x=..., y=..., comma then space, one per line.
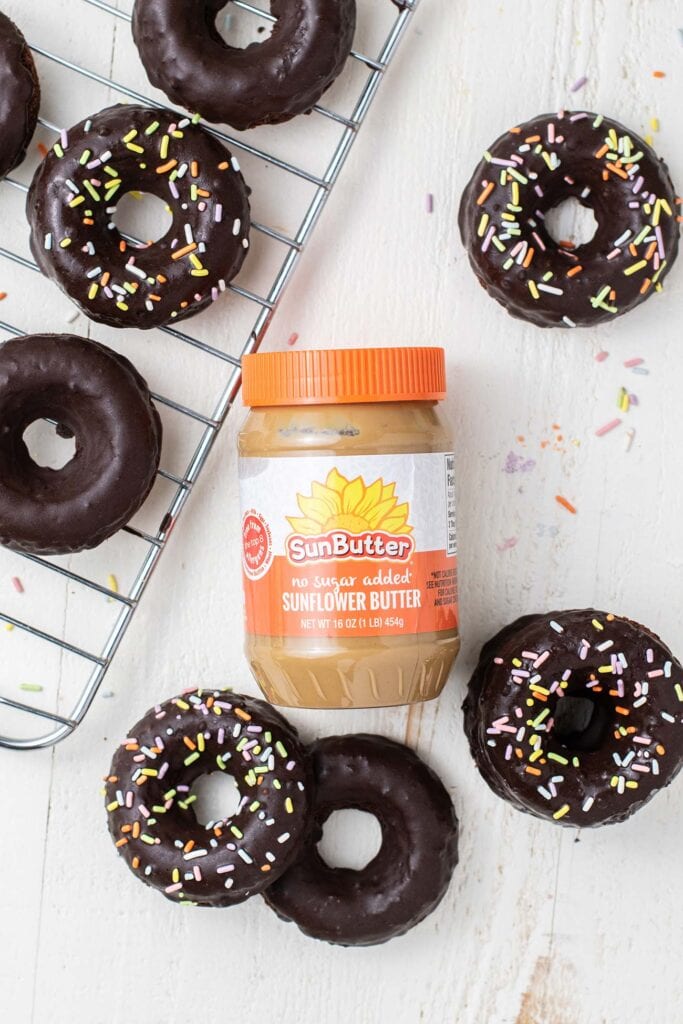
x=348, y=527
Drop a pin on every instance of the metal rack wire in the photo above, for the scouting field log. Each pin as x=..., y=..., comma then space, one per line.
x=62, y=725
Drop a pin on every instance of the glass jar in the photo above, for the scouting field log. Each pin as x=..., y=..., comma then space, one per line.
x=348, y=527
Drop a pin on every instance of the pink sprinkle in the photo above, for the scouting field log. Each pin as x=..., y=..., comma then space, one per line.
x=601, y=356
x=293, y=338
x=634, y=362
x=579, y=83
x=18, y=585
x=605, y=429
x=508, y=543
x=430, y=203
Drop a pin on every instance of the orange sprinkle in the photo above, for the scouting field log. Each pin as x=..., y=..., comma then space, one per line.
x=575, y=270
x=659, y=74
x=529, y=256
x=223, y=166
x=566, y=244
x=161, y=279
x=42, y=149
x=185, y=251
x=601, y=152
x=136, y=863
x=121, y=842
x=122, y=246
x=612, y=295
x=88, y=221
x=204, y=193
x=105, y=279
x=515, y=131
x=530, y=770
x=194, y=169
x=218, y=832
x=168, y=166
x=632, y=249
x=265, y=867
x=660, y=750
x=621, y=711
x=243, y=715
x=651, y=250
x=485, y=194
x=132, y=746
x=126, y=829
x=605, y=175
x=189, y=845
x=645, y=285
x=565, y=504
x=189, y=743
x=618, y=170
x=141, y=781
x=533, y=138
x=136, y=829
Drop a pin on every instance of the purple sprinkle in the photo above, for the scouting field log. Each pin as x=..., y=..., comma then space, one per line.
x=579, y=83
x=430, y=203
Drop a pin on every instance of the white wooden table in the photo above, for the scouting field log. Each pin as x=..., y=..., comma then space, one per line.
x=541, y=925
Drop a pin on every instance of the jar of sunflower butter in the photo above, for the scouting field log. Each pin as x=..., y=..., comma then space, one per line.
x=348, y=527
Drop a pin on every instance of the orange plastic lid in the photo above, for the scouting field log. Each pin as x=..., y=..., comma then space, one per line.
x=336, y=376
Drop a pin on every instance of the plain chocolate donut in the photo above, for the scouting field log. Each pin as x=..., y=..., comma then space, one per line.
x=149, y=803
x=265, y=83
x=72, y=201
x=536, y=166
x=576, y=716
x=408, y=877
x=19, y=96
x=96, y=396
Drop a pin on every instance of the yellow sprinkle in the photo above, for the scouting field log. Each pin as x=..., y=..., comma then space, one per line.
x=598, y=625
x=77, y=201
x=483, y=224
x=65, y=243
x=113, y=583
x=564, y=809
x=93, y=290
x=654, y=124
x=533, y=289
x=289, y=806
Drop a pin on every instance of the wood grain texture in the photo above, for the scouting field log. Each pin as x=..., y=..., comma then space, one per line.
x=541, y=925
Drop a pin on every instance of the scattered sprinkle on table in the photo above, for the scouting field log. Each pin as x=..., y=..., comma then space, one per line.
x=113, y=583
x=630, y=435
x=507, y=544
x=579, y=83
x=18, y=585
x=42, y=149
x=601, y=356
x=293, y=338
x=659, y=74
x=31, y=687
x=606, y=427
x=3, y=295
x=430, y=202
x=654, y=124
x=636, y=361
x=561, y=500
x=641, y=370
x=108, y=694
x=9, y=627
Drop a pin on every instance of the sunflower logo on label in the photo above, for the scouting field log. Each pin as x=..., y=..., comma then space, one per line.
x=349, y=519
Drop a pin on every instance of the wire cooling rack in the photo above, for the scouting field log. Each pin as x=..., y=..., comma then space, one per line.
x=92, y=664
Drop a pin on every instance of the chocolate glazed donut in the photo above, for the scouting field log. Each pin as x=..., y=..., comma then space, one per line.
x=96, y=396
x=576, y=716
x=19, y=96
x=72, y=203
x=149, y=799
x=265, y=83
x=410, y=874
x=532, y=169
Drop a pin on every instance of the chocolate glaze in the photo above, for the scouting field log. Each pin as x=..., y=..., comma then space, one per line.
x=19, y=96
x=96, y=396
x=75, y=242
x=607, y=169
x=609, y=743
x=265, y=83
x=148, y=798
x=408, y=877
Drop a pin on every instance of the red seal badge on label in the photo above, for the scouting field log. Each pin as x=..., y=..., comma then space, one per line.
x=257, y=545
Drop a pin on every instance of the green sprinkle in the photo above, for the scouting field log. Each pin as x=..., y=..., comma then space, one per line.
x=191, y=759
x=31, y=687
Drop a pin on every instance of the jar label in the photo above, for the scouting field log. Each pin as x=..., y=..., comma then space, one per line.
x=349, y=546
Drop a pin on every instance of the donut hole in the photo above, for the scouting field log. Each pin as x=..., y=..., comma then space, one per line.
x=50, y=445
x=350, y=839
x=142, y=217
x=581, y=722
x=240, y=29
x=571, y=221
x=218, y=798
